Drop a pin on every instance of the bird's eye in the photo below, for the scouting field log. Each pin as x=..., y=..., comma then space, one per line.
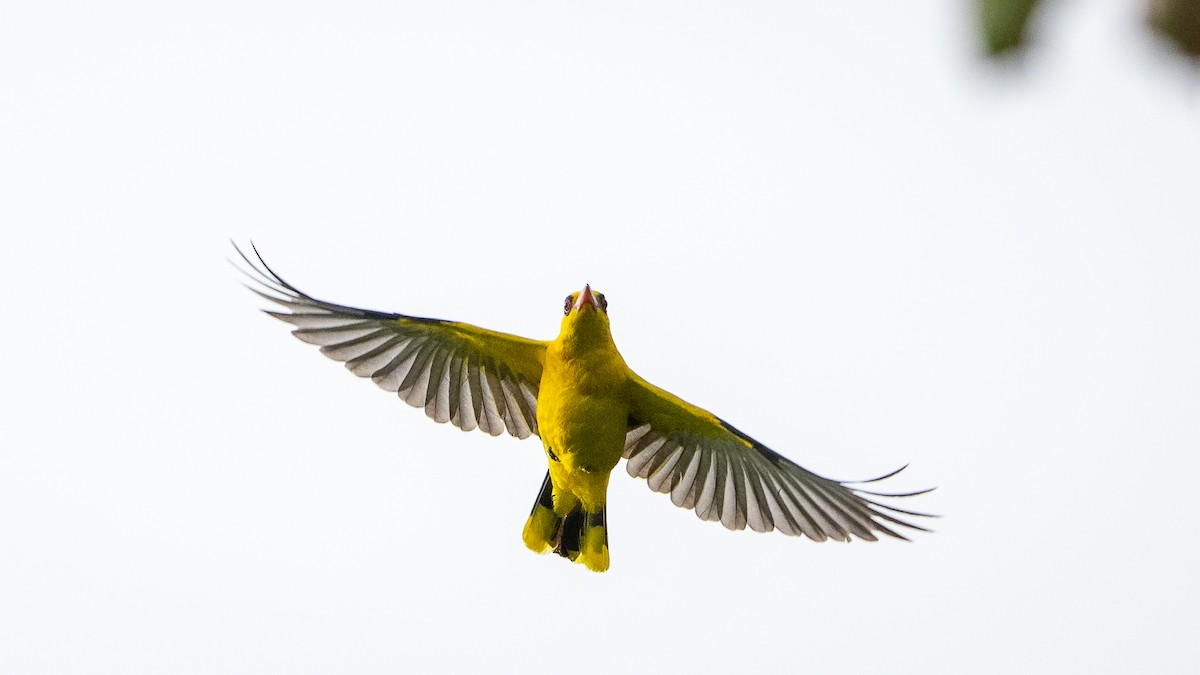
x=567, y=305
x=603, y=302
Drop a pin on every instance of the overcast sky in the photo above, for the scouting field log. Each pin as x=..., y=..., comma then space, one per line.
x=834, y=227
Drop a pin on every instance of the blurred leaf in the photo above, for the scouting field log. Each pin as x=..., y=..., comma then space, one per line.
x=1177, y=21
x=1004, y=22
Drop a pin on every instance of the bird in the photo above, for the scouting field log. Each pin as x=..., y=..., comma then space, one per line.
x=590, y=410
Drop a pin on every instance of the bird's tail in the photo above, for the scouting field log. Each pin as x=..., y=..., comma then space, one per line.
x=564, y=526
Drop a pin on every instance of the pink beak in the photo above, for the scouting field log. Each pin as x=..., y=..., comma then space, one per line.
x=586, y=298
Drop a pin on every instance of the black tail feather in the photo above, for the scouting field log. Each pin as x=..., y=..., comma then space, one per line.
x=570, y=531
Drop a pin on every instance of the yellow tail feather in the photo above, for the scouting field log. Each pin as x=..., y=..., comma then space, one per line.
x=563, y=525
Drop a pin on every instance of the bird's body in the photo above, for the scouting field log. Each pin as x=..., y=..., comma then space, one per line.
x=590, y=410
x=583, y=418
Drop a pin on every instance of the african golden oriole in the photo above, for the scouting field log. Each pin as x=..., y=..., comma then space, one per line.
x=590, y=410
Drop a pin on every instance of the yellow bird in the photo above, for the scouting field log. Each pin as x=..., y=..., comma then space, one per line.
x=590, y=410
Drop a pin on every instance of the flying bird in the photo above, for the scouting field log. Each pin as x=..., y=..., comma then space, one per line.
x=576, y=393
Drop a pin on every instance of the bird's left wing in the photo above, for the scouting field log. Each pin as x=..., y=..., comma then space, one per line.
x=709, y=466
x=459, y=373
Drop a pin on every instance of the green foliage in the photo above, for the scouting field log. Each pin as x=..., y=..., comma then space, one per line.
x=1177, y=21
x=1003, y=23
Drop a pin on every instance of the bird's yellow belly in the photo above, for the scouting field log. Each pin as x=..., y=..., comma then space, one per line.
x=584, y=435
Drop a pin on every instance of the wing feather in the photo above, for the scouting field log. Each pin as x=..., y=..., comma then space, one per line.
x=458, y=373
x=478, y=402
x=362, y=342
x=492, y=420
x=437, y=400
x=454, y=389
x=389, y=369
x=659, y=476
x=708, y=494
x=722, y=474
x=758, y=509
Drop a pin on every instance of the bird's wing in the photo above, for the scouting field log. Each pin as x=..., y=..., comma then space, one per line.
x=709, y=466
x=468, y=376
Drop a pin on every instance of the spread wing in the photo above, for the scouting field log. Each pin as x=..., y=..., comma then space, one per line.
x=468, y=376
x=707, y=465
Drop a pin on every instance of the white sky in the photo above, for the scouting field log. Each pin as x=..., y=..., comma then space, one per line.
x=833, y=227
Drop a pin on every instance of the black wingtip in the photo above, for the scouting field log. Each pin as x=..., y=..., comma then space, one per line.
x=875, y=480
x=245, y=258
x=895, y=494
x=264, y=270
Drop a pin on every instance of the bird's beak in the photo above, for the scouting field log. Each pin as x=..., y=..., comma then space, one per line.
x=586, y=298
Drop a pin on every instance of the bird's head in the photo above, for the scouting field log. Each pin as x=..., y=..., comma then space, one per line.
x=585, y=315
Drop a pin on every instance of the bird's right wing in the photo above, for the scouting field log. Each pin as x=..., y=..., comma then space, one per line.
x=459, y=373
x=709, y=466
